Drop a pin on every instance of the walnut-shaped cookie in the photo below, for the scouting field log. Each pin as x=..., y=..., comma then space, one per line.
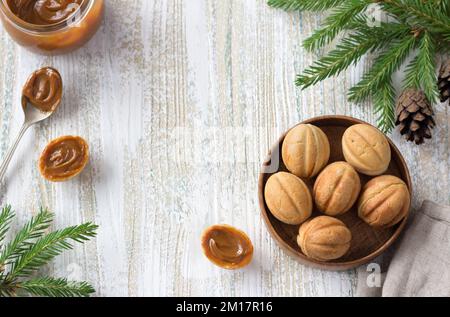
x=324, y=238
x=384, y=202
x=336, y=189
x=366, y=149
x=305, y=150
x=288, y=198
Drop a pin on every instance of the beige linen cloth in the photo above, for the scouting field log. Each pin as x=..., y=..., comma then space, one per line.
x=418, y=264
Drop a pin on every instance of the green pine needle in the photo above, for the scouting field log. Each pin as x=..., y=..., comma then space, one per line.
x=421, y=72
x=384, y=103
x=383, y=68
x=305, y=5
x=48, y=247
x=350, y=50
x=31, y=249
x=5, y=220
x=420, y=24
x=340, y=17
x=56, y=287
x=425, y=14
x=444, y=6
x=35, y=228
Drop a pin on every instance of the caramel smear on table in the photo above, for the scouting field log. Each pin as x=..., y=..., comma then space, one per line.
x=44, y=89
x=64, y=158
x=227, y=247
x=43, y=12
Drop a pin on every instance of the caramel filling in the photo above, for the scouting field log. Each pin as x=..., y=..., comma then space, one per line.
x=43, y=12
x=227, y=246
x=44, y=89
x=64, y=158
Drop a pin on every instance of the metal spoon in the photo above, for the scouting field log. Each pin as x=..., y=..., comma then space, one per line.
x=32, y=115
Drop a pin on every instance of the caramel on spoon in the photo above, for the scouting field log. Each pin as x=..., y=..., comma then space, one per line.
x=41, y=97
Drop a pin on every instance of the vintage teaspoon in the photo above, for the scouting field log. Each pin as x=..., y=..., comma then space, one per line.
x=41, y=97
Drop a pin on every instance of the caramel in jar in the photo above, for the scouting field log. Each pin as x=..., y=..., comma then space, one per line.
x=49, y=26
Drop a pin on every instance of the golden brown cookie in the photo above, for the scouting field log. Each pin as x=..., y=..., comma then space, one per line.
x=336, y=189
x=288, y=198
x=366, y=149
x=305, y=150
x=324, y=238
x=384, y=202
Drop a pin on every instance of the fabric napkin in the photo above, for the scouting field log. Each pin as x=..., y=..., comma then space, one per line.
x=418, y=264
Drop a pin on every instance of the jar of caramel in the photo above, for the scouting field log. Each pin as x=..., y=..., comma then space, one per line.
x=51, y=26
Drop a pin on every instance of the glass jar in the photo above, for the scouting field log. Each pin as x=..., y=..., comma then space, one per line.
x=57, y=38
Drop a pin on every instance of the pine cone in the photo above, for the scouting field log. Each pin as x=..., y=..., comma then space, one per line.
x=414, y=116
x=444, y=81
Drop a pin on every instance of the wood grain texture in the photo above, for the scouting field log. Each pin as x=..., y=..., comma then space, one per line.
x=180, y=102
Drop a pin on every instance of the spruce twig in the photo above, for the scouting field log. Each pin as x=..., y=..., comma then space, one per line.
x=55, y=287
x=443, y=5
x=48, y=247
x=419, y=13
x=35, y=228
x=383, y=99
x=31, y=249
x=416, y=24
x=349, y=51
x=382, y=69
x=335, y=23
x=305, y=5
x=421, y=72
x=6, y=216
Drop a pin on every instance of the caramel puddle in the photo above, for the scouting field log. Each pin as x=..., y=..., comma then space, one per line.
x=227, y=247
x=64, y=158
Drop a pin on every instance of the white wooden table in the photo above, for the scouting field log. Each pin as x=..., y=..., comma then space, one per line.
x=180, y=101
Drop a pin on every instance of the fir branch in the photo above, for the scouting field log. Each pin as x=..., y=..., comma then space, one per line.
x=5, y=220
x=48, y=247
x=55, y=287
x=384, y=103
x=31, y=249
x=350, y=50
x=305, y=5
x=6, y=289
x=419, y=13
x=443, y=5
x=383, y=68
x=421, y=72
x=35, y=228
x=422, y=24
x=335, y=23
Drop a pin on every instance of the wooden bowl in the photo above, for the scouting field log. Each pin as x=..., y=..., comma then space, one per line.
x=367, y=242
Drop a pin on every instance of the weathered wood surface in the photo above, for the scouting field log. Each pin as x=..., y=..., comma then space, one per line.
x=180, y=101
